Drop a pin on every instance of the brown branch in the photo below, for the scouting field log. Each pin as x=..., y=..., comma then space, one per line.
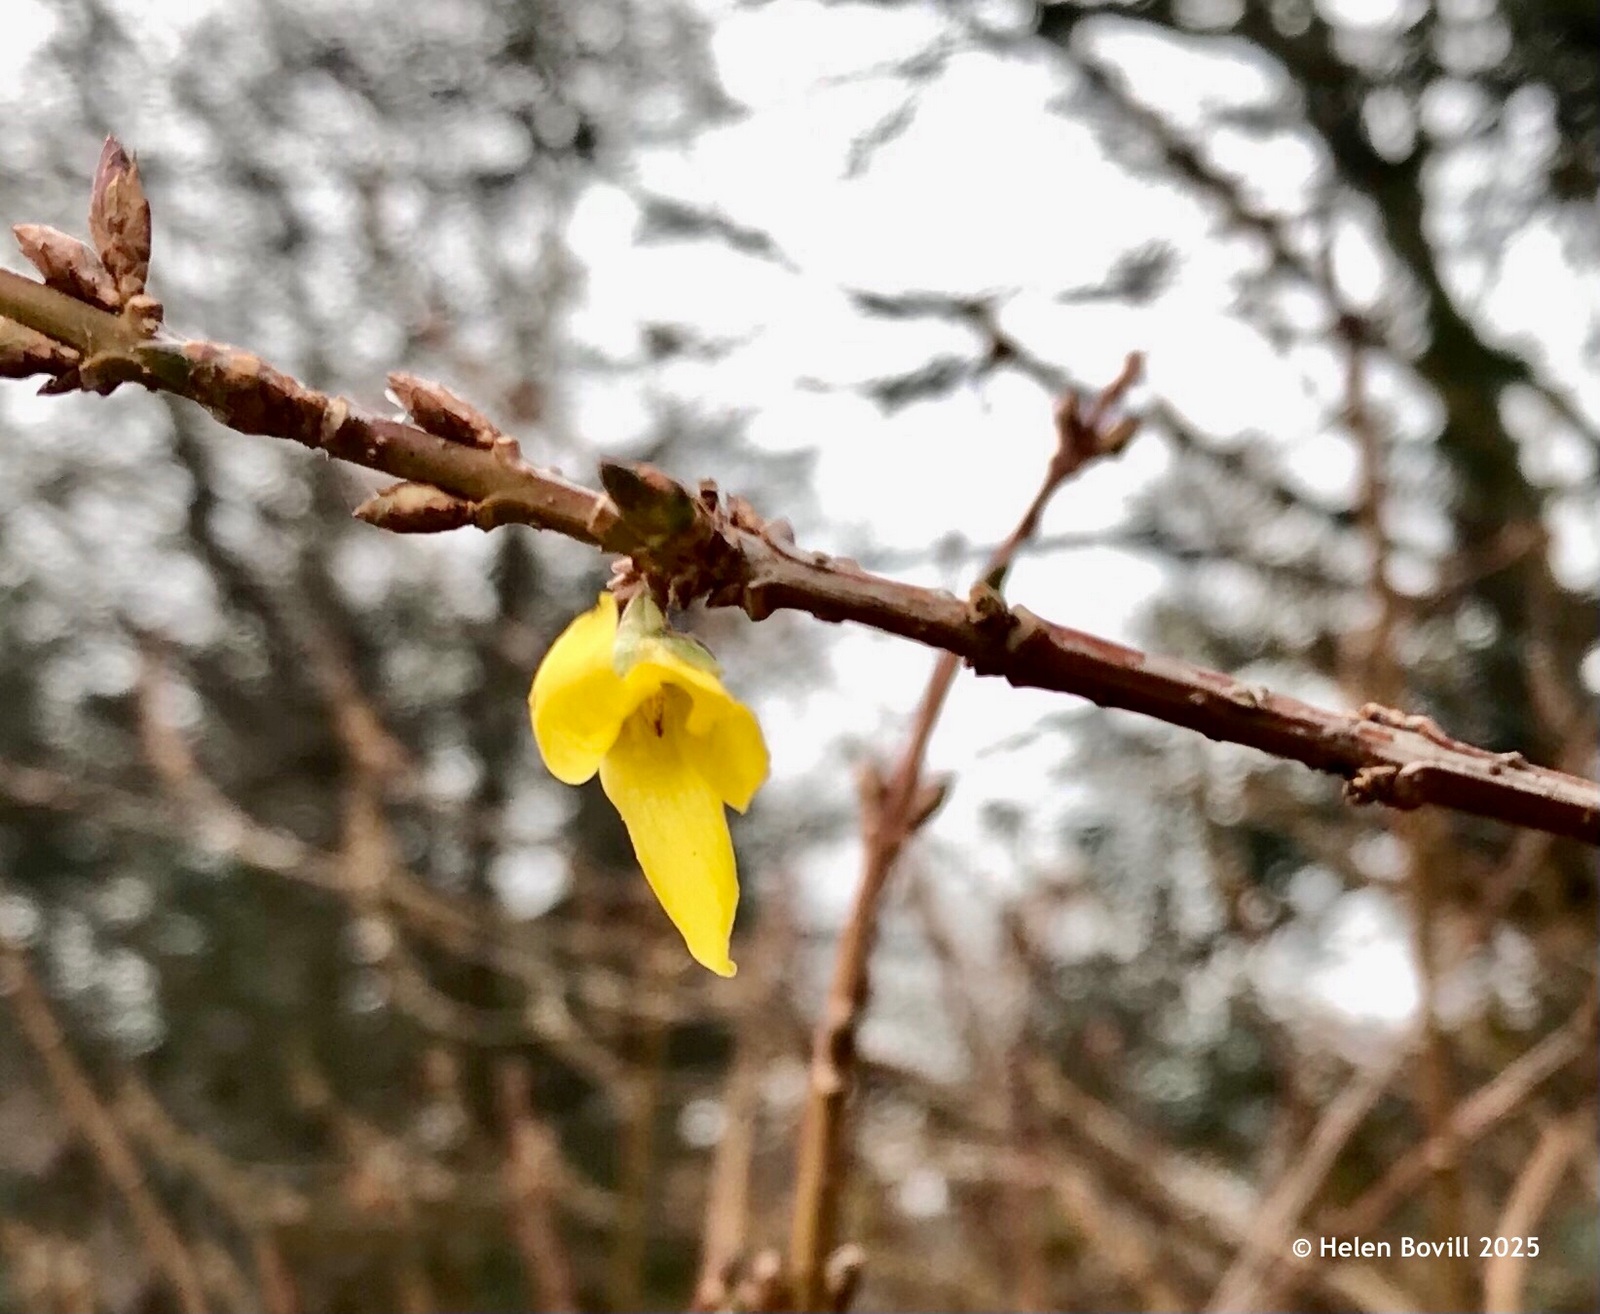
x=757, y=1033
x=1421, y=837
x=637, y=1100
x=381, y=1179
x=532, y=1171
x=1560, y=1144
x=1115, y=1239
x=366, y=874
x=1188, y=1194
x=45, y=1271
x=257, y=1205
x=279, y=1294
x=163, y=1244
x=1155, y=1263
x=727, y=1213
x=1490, y=1104
x=703, y=545
x=208, y=820
x=1245, y=1283
x=252, y=1199
x=892, y=812
x=230, y=1289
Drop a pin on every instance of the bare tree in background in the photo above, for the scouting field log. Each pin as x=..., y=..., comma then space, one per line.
x=274, y=1040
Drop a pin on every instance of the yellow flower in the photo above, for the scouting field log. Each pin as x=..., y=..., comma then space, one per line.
x=647, y=709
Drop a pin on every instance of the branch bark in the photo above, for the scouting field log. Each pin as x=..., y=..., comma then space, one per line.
x=702, y=545
x=163, y=1244
x=893, y=810
x=532, y=1157
x=1473, y=1117
x=1242, y=1287
x=1558, y=1146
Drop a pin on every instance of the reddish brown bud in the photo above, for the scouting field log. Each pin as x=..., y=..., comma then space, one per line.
x=67, y=381
x=1119, y=435
x=929, y=799
x=119, y=220
x=415, y=509
x=67, y=265
x=442, y=413
x=655, y=506
x=1069, y=422
x=145, y=313
x=1132, y=371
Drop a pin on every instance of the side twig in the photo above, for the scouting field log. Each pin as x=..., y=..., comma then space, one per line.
x=1561, y=1143
x=532, y=1156
x=1244, y=1283
x=1422, y=839
x=163, y=1245
x=1191, y=1197
x=892, y=812
x=458, y=469
x=1474, y=1116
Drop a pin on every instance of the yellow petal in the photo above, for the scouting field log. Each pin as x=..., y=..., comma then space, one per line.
x=678, y=828
x=578, y=702
x=732, y=755
x=724, y=741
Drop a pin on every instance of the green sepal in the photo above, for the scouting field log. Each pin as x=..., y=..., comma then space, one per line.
x=643, y=631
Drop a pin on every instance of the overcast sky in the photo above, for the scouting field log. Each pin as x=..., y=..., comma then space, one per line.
x=983, y=186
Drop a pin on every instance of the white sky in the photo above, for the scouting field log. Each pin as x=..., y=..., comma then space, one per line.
x=28, y=24
x=987, y=190
x=944, y=208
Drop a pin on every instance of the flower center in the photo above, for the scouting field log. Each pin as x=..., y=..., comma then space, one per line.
x=654, y=711
x=663, y=713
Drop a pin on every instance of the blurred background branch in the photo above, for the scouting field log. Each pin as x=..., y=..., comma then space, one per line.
x=359, y=1010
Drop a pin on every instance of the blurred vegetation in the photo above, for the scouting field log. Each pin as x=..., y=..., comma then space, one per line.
x=386, y=1018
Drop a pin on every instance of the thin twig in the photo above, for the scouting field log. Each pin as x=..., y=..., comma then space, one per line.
x=1246, y=1280
x=1421, y=838
x=1489, y=1105
x=163, y=1244
x=638, y=1098
x=1181, y=1191
x=1559, y=1145
x=460, y=471
x=892, y=812
x=531, y=1169
x=255, y=1204
x=756, y=1034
